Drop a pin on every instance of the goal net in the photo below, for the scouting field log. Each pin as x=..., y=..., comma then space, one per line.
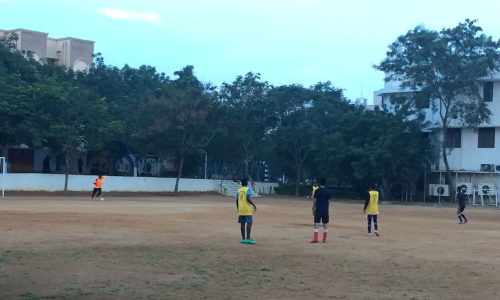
x=3, y=173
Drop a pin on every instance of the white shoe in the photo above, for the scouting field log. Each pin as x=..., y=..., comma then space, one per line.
x=376, y=233
x=460, y=222
x=369, y=234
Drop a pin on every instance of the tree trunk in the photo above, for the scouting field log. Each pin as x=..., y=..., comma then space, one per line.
x=387, y=188
x=246, y=162
x=297, y=182
x=179, y=174
x=66, y=178
x=449, y=178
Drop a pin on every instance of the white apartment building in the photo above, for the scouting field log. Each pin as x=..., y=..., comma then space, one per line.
x=474, y=153
x=71, y=52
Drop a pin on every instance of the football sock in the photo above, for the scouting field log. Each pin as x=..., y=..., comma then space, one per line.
x=316, y=230
x=325, y=233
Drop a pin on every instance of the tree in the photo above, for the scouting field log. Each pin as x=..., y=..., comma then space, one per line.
x=70, y=118
x=17, y=74
x=125, y=89
x=446, y=67
x=293, y=138
x=374, y=146
x=183, y=120
x=249, y=114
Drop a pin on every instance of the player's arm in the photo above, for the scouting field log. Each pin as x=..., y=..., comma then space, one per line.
x=249, y=199
x=236, y=198
x=314, y=205
x=366, y=202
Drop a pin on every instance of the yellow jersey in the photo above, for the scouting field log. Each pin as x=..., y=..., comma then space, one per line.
x=315, y=187
x=372, y=208
x=244, y=208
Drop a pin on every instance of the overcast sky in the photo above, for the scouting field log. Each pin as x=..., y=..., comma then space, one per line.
x=287, y=41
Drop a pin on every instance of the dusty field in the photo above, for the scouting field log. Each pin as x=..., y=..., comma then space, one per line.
x=188, y=248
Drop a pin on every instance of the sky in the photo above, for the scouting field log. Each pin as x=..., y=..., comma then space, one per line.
x=286, y=41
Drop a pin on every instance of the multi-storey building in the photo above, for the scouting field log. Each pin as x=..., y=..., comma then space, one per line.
x=71, y=52
x=473, y=153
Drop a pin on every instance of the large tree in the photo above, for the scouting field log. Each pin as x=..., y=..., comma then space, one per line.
x=17, y=76
x=294, y=136
x=183, y=120
x=70, y=118
x=447, y=68
x=249, y=114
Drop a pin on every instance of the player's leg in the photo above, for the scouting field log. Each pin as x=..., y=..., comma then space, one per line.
x=459, y=215
x=375, y=223
x=241, y=220
x=369, y=224
x=326, y=220
x=93, y=193
x=462, y=208
x=98, y=193
x=249, y=220
x=317, y=218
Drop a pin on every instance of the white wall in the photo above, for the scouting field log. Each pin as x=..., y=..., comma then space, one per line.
x=469, y=157
x=55, y=182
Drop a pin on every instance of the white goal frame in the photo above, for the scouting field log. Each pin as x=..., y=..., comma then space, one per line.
x=3, y=169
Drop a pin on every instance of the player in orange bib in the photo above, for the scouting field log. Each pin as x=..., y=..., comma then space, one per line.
x=98, y=186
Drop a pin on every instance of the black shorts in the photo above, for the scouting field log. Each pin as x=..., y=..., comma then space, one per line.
x=460, y=209
x=321, y=217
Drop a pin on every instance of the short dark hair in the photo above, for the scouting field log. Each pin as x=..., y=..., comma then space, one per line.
x=371, y=186
x=244, y=182
x=322, y=181
x=100, y=176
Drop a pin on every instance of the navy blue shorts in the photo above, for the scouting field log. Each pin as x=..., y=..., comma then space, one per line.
x=245, y=219
x=370, y=217
x=321, y=217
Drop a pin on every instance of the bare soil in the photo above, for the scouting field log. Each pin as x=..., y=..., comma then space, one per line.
x=151, y=247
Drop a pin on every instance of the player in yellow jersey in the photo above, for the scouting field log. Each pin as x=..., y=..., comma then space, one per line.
x=371, y=209
x=243, y=202
x=314, y=188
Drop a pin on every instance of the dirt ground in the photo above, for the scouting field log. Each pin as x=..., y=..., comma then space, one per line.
x=188, y=248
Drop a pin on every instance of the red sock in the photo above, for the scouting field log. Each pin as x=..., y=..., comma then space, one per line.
x=325, y=233
x=315, y=234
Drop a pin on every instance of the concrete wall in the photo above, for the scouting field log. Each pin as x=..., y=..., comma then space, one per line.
x=55, y=182
x=80, y=50
x=34, y=41
x=469, y=157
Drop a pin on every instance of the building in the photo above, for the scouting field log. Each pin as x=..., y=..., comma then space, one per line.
x=473, y=153
x=75, y=54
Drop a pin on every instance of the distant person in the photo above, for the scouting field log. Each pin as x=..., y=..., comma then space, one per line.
x=314, y=188
x=243, y=202
x=98, y=186
x=371, y=209
x=80, y=165
x=46, y=165
x=462, y=197
x=234, y=177
x=320, y=209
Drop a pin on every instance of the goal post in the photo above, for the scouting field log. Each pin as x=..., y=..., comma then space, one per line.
x=3, y=173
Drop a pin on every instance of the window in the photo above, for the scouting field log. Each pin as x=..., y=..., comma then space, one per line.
x=453, y=138
x=486, y=138
x=422, y=100
x=488, y=91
